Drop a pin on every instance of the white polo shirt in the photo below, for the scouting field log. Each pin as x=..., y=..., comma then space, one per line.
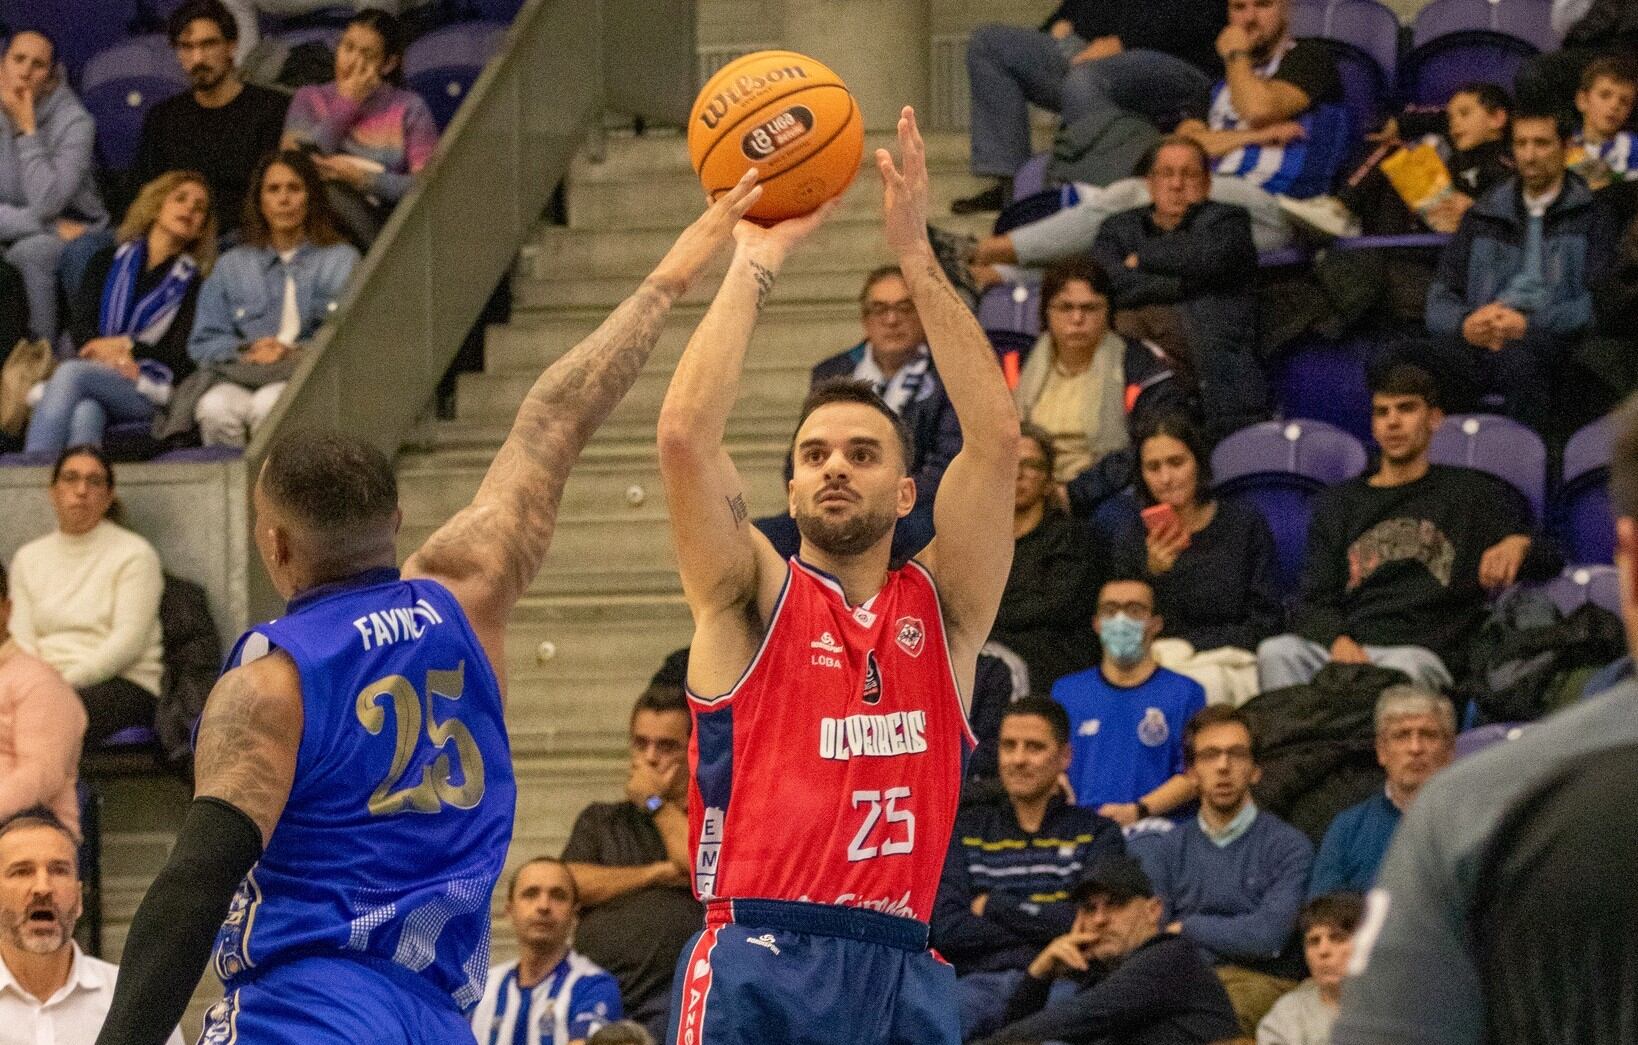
x=72, y=1016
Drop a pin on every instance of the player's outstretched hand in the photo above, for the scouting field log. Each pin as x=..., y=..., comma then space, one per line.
x=904, y=189
x=772, y=244
x=700, y=241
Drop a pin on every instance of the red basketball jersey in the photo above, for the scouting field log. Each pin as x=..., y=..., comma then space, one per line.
x=832, y=770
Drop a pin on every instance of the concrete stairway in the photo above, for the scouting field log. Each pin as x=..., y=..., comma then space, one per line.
x=607, y=607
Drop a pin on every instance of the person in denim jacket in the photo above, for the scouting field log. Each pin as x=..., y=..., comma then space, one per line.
x=265, y=299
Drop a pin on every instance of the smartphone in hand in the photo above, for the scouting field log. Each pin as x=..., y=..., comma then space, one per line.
x=1162, y=521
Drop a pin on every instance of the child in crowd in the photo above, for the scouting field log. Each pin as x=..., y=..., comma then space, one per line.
x=1473, y=148
x=1604, y=152
x=1304, y=1016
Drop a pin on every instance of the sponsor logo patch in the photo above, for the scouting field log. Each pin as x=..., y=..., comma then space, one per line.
x=910, y=634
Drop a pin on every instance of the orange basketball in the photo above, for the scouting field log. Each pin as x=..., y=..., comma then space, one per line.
x=786, y=115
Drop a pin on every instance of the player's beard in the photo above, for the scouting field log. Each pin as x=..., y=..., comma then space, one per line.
x=845, y=537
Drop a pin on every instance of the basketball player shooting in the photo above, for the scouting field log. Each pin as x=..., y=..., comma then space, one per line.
x=828, y=692
x=355, y=794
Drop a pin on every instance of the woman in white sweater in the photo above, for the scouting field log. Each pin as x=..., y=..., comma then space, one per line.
x=85, y=599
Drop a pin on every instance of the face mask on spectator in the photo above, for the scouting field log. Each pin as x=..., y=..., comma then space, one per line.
x=1122, y=638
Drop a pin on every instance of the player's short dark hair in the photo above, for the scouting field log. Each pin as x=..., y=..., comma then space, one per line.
x=1180, y=426
x=1564, y=125
x=1072, y=270
x=330, y=482
x=512, y=880
x=40, y=816
x=192, y=11
x=875, y=276
x=1610, y=67
x=621, y=1032
x=1405, y=379
x=847, y=390
x=1624, y=460
x=1340, y=910
x=1043, y=708
x=1491, y=97
x=1147, y=163
x=1215, y=715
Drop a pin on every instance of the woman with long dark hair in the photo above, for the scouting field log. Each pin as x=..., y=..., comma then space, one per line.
x=1210, y=560
x=267, y=297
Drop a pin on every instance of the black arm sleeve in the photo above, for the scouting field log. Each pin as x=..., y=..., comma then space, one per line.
x=171, y=935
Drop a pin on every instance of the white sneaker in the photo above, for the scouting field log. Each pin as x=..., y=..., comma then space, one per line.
x=1325, y=215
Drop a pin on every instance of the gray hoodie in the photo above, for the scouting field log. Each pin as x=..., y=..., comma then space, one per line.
x=48, y=174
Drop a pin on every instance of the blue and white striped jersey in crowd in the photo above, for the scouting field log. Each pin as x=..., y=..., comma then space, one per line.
x=574, y=1000
x=1304, y=166
x=1619, y=152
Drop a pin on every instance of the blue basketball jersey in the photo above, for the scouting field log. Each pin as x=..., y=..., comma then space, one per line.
x=401, y=811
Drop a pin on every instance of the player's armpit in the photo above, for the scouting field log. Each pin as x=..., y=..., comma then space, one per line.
x=249, y=738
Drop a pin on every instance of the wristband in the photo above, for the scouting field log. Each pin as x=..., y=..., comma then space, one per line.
x=653, y=803
x=1142, y=808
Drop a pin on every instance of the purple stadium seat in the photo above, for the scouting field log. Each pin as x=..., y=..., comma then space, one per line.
x=1472, y=741
x=1011, y=306
x=1278, y=467
x=329, y=36
x=1313, y=450
x=1586, y=523
x=1031, y=177
x=1498, y=445
x=442, y=65
x=1363, y=38
x=80, y=28
x=120, y=85
x=1326, y=381
x=37, y=459
x=1459, y=40
x=131, y=736
x=1284, y=257
x=1598, y=584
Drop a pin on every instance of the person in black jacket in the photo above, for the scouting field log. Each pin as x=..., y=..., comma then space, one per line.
x=1055, y=576
x=132, y=317
x=1192, y=260
x=1153, y=57
x=1138, y=985
x=1012, y=863
x=1398, y=562
x=1211, y=562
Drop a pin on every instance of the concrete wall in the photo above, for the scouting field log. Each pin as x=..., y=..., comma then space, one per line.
x=194, y=514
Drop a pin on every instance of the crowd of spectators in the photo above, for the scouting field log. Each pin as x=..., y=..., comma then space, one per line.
x=194, y=289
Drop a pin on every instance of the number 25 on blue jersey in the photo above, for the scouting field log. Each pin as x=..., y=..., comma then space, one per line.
x=436, y=787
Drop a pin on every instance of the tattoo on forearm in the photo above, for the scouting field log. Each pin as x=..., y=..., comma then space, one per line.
x=508, y=527
x=239, y=757
x=764, y=283
x=736, y=508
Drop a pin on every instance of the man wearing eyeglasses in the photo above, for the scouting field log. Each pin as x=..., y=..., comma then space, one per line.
x=1234, y=876
x=1127, y=714
x=894, y=358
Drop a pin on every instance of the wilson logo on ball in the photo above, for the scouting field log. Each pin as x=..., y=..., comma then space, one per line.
x=743, y=89
x=768, y=137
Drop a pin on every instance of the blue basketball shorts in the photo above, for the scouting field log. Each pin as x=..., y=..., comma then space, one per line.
x=334, y=1001
x=811, y=974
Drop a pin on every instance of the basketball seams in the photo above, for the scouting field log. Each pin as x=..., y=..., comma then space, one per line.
x=734, y=131
x=822, y=146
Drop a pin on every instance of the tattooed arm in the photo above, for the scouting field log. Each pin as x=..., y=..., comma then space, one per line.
x=972, y=516
x=731, y=575
x=490, y=551
x=245, y=764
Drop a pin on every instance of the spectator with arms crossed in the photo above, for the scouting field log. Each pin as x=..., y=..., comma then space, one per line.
x=630, y=860
x=1127, y=715
x=550, y=995
x=1398, y=562
x=1012, y=863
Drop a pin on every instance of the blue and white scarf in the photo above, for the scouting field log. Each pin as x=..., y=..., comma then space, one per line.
x=144, y=319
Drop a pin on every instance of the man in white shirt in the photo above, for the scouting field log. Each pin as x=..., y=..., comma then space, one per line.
x=550, y=995
x=51, y=992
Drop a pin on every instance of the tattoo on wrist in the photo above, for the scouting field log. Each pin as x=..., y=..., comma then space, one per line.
x=764, y=282
x=736, y=508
